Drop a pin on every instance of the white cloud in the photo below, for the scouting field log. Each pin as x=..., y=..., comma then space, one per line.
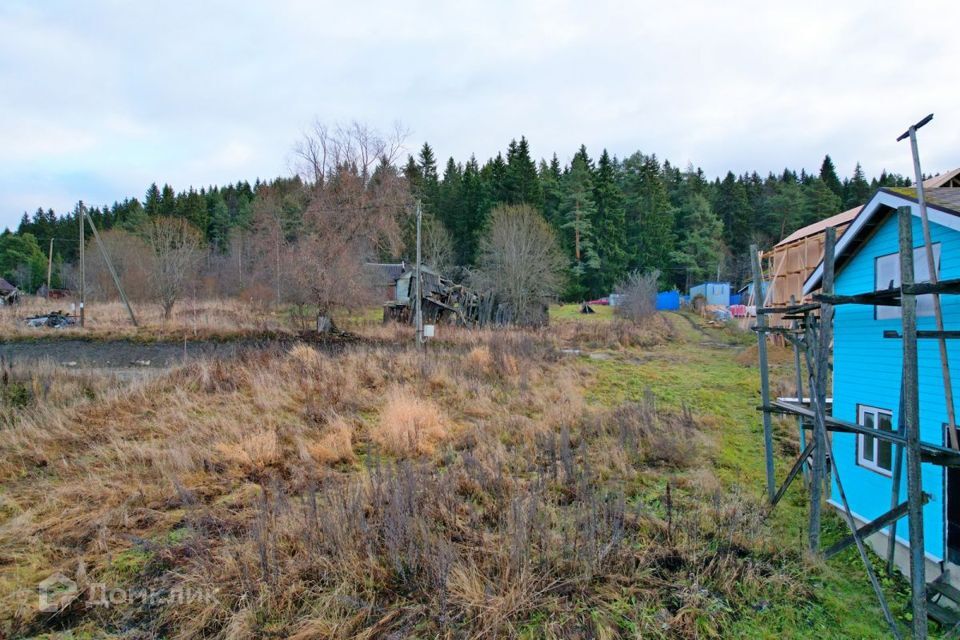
x=99, y=99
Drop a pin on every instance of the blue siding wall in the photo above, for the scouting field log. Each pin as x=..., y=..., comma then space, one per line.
x=867, y=370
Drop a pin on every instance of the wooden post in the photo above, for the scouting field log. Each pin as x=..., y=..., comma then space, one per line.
x=932, y=270
x=80, y=216
x=113, y=272
x=418, y=309
x=895, y=481
x=764, y=374
x=49, y=267
x=799, y=376
x=819, y=394
x=911, y=426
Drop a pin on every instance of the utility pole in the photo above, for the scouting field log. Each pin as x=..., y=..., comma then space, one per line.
x=80, y=216
x=49, y=267
x=113, y=272
x=418, y=309
x=932, y=271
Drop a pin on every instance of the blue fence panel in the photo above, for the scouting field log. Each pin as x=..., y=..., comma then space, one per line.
x=668, y=300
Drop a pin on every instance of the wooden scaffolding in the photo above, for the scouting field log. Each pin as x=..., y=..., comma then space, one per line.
x=808, y=327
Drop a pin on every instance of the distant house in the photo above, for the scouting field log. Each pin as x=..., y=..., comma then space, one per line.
x=53, y=294
x=867, y=366
x=384, y=276
x=406, y=284
x=8, y=293
x=713, y=293
x=791, y=261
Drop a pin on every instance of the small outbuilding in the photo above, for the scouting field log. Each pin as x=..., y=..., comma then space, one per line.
x=713, y=293
x=9, y=294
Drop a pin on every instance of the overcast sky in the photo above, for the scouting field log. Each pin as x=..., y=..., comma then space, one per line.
x=100, y=98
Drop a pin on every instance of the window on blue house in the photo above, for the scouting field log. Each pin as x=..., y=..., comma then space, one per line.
x=887, y=276
x=872, y=453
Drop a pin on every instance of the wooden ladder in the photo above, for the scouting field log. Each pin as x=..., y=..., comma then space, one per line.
x=943, y=604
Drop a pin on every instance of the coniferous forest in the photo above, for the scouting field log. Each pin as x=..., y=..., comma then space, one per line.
x=611, y=215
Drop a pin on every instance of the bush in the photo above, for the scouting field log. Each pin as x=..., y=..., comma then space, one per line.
x=638, y=296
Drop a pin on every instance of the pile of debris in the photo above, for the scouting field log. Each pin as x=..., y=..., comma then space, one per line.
x=52, y=320
x=446, y=302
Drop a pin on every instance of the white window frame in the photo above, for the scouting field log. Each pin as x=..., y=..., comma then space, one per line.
x=872, y=463
x=920, y=274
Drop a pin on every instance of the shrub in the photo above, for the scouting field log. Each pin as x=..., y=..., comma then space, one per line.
x=409, y=426
x=638, y=293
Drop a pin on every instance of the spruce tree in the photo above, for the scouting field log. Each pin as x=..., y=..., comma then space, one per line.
x=828, y=173
x=649, y=215
x=733, y=208
x=609, y=227
x=700, y=251
x=856, y=190
x=522, y=183
x=151, y=201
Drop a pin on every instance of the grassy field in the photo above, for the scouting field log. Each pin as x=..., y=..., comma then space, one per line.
x=590, y=479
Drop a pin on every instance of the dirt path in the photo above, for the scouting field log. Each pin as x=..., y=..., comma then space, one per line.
x=119, y=353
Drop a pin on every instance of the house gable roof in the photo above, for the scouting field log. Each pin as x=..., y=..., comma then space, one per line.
x=946, y=179
x=943, y=208
x=6, y=287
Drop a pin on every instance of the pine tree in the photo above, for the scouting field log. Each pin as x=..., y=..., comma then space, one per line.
x=151, y=201
x=700, y=251
x=168, y=201
x=494, y=174
x=822, y=202
x=856, y=190
x=474, y=210
x=828, y=173
x=429, y=179
x=733, y=208
x=579, y=210
x=649, y=215
x=449, y=198
x=609, y=227
x=522, y=183
x=218, y=224
x=550, y=175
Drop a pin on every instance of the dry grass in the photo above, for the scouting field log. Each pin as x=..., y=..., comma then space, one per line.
x=410, y=426
x=377, y=493
x=192, y=319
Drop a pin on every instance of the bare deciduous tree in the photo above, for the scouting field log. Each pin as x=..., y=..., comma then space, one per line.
x=323, y=149
x=638, y=293
x=437, y=245
x=175, y=250
x=520, y=261
x=126, y=252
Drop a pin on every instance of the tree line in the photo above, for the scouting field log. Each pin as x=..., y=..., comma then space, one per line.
x=610, y=216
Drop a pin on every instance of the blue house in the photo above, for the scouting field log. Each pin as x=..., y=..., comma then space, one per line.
x=714, y=293
x=867, y=367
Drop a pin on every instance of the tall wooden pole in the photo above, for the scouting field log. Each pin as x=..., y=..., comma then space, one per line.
x=932, y=271
x=113, y=272
x=819, y=393
x=764, y=374
x=911, y=426
x=418, y=302
x=49, y=267
x=83, y=266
